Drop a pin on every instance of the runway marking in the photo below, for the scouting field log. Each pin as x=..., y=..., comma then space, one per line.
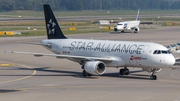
x=21, y=78
x=7, y=65
x=172, y=74
x=100, y=86
x=169, y=81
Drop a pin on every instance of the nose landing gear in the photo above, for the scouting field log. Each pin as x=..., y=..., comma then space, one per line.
x=153, y=77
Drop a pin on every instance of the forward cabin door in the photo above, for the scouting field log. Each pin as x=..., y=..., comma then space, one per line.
x=144, y=52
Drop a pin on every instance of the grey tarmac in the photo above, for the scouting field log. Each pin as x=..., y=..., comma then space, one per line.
x=30, y=78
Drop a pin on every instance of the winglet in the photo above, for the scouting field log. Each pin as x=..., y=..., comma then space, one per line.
x=5, y=52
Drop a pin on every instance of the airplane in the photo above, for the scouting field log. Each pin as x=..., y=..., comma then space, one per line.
x=129, y=25
x=95, y=56
x=174, y=48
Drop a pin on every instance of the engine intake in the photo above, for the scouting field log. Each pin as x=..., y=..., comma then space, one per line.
x=136, y=30
x=115, y=29
x=95, y=67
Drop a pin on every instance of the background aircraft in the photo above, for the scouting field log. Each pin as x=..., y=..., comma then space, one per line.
x=96, y=55
x=129, y=25
x=174, y=48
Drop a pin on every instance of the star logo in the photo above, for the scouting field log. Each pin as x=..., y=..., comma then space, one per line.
x=51, y=27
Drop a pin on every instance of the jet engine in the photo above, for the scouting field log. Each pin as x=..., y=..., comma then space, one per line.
x=136, y=29
x=115, y=29
x=152, y=69
x=95, y=67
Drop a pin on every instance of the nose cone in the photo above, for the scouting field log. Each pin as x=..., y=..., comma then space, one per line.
x=170, y=60
x=119, y=27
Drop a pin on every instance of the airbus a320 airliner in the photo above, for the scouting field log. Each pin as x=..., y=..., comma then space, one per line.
x=96, y=55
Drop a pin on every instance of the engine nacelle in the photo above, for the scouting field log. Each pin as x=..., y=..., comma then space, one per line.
x=115, y=29
x=136, y=29
x=152, y=69
x=95, y=67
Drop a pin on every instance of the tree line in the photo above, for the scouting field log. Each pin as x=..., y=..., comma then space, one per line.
x=8, y=5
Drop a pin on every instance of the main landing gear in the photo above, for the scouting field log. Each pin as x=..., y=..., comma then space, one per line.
x=124, y=71
x=85, y=74
x=122, y=31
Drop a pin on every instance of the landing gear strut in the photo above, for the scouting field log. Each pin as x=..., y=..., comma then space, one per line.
x=124, y=71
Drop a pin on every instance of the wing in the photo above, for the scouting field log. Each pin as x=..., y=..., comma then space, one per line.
x=106, y=59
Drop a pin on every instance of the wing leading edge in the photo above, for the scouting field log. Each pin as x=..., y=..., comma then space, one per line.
x=107, y=59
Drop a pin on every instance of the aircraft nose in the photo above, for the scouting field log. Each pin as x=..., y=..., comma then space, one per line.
x=119, y=27
x=170, y=60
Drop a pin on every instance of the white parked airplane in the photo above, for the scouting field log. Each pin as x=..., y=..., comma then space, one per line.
x=96, y=55
x=174, y=48
x=129, y=25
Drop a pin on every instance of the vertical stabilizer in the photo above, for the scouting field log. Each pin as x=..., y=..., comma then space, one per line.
x=138, y=15
x=52, y=27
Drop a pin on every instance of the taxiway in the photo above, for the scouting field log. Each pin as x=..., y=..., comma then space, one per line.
x=30, y=78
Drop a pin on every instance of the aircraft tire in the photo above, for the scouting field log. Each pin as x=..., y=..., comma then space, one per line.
x=121, y=72
x=153, y=77
x=84, y=73
x=126, y=71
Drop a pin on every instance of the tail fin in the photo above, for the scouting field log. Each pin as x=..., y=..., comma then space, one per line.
x=138, y=15
x=52, y=27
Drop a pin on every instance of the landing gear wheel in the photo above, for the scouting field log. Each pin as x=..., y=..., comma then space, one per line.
x=153, y=77
x=126, y=71
x=85, y=74
x=121, y=72
x=122, y=31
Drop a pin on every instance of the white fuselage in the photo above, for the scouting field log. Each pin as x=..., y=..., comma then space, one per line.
x=123, y=53
x=129, y=25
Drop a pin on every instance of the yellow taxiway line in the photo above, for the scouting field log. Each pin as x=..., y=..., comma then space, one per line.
x=21, y=78
x=7, y=65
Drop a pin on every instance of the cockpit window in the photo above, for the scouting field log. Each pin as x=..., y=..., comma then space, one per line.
x=155, y=52
x=161, y=52
x=158, y=52
x=164, y=52
x=169, y=52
